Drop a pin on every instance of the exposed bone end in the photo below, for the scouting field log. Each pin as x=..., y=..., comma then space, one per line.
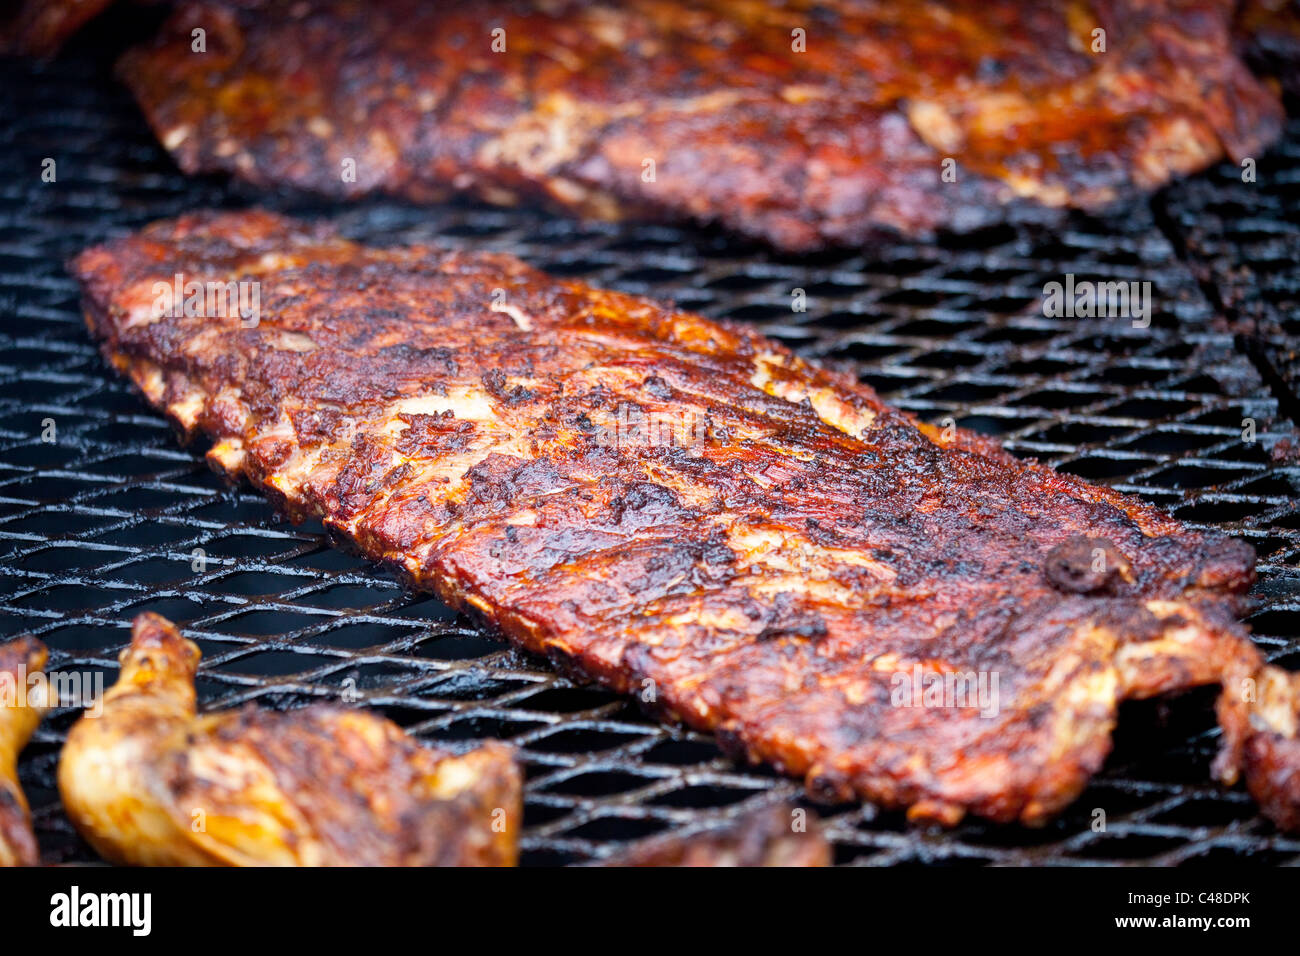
x=936, y=811
x=157, y=652
x=227, y=457
x=185, y=411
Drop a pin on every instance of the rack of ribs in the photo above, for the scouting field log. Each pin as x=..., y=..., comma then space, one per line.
x=802, y=124
x=683, y=510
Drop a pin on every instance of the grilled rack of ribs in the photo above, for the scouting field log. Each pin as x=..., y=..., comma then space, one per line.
x=149, y=782
x=686, y=511
x=22, y=704
x=803, y=124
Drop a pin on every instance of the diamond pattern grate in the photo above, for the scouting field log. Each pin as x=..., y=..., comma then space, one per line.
x=103, y=522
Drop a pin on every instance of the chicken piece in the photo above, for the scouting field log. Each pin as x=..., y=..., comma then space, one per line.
x=22, y=705
x=684, y=510
x=804, y=123
x=151, y=783
x=1260, y=716
x=775, y=836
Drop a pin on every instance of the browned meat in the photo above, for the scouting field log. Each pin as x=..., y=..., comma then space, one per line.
x=149, y=782
x=770, y=837
x=686, y=511
x=1263, y=739
x=22, y=703
x=830, y=144
x=40, y=27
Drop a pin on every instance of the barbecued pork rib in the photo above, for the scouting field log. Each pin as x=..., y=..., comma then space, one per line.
x=829, y=144
x=22, y=704
x=683, y=509
x=148, y=782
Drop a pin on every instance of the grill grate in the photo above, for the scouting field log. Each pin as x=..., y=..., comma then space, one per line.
x=1244, y=240
x=102, y=523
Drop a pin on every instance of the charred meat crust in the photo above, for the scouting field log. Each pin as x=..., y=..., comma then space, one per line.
x=764, y=549
x=836, y=143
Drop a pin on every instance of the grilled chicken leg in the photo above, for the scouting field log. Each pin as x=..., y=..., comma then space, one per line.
x=151, y=783
x=21, y=709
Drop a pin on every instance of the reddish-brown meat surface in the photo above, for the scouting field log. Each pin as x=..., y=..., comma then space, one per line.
x=687, y=512
x=828, y=144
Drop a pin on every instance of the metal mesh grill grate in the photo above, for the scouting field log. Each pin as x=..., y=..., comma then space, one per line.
x=1244, y=240
x=103, y=522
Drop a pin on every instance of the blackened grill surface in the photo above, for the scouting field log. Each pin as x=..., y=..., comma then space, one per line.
x=104, y=521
